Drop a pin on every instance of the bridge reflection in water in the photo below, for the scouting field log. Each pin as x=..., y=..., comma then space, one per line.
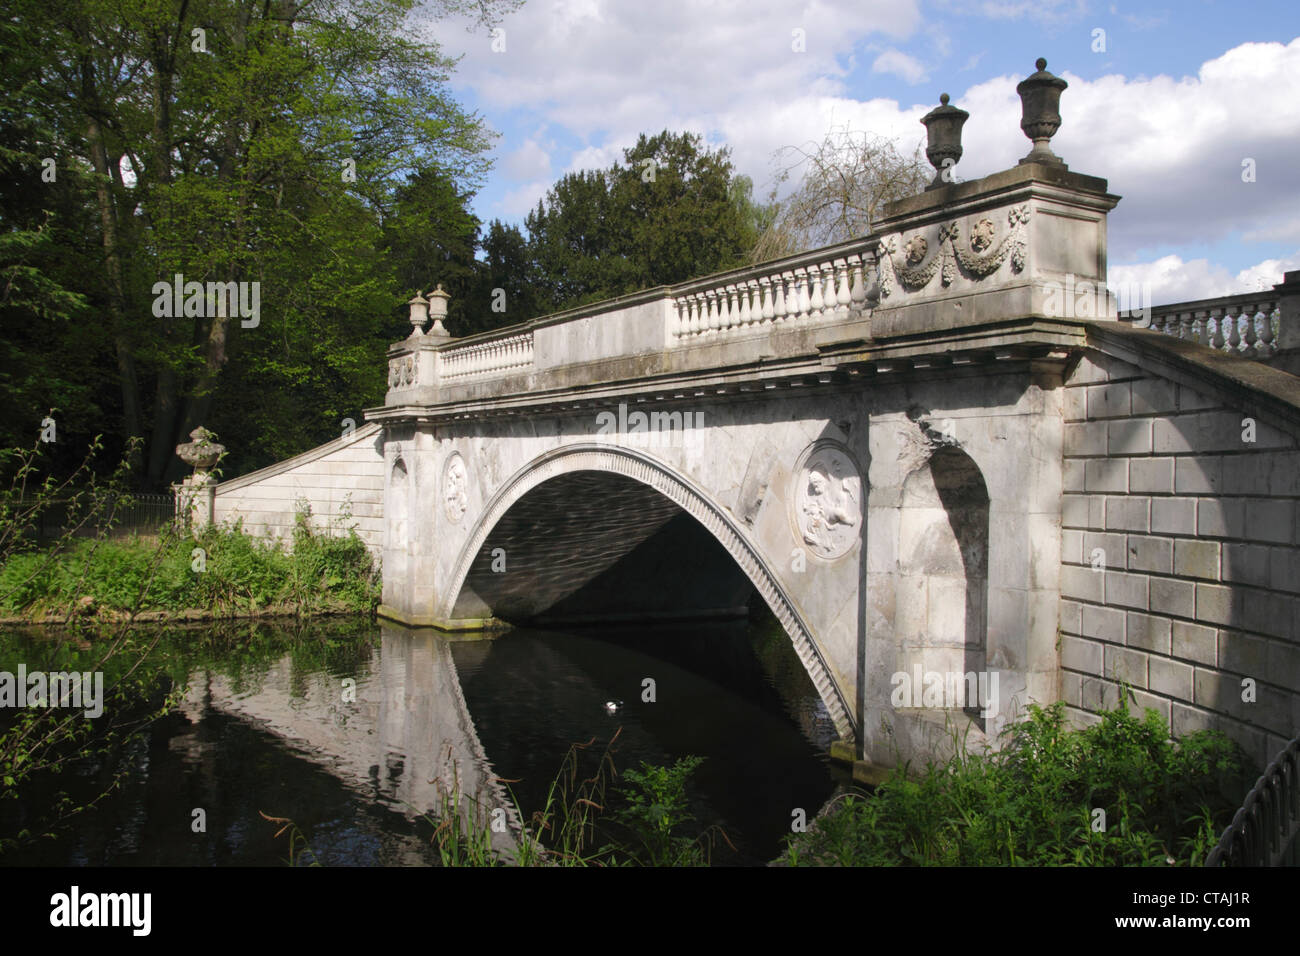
x=428, y=708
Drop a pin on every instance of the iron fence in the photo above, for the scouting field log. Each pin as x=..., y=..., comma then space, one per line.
x=140, y=514
x=1266, y=830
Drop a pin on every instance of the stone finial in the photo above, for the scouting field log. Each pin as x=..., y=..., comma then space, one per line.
x=419, y=314
x=438, y=310
x=1040, y=102
x=943, y=128
x=201, y=453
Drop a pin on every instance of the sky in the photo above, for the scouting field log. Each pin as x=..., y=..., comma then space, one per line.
x=1189, y=108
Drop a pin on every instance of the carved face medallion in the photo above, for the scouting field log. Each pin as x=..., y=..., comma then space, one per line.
x=827, y=500
x=455, y=487
x=915, y=249
x=981, y=235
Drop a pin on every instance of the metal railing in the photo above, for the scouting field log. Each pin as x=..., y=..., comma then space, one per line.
x=1266, y=830
x=141, y=514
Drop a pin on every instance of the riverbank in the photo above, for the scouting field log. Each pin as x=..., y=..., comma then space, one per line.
x=222, y=573
x=1117, y=793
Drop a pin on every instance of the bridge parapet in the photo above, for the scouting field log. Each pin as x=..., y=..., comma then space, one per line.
x=1256, y=325
x=831, y=284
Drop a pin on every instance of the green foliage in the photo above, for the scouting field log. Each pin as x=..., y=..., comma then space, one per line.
x=240, y=573
x=1032, y=803
x=670, y=211
x=40, y=742
x=574, y=828
x=656, y=810
x=284, y=149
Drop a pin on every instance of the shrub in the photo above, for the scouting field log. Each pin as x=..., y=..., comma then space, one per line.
x=1035, y=802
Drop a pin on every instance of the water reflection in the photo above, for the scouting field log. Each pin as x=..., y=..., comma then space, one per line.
x=357, y=744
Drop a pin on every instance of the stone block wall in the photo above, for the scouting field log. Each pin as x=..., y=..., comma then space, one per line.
x=1180, y=556
x=345, y=474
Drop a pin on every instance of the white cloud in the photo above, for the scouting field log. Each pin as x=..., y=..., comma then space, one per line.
x=518, y=203
x=529, y=161
x=1043, y=11
x=906, y=67
x=1171, y=148
x=1170, y=279
x=584, y=64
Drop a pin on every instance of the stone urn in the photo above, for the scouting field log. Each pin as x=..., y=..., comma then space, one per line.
x=943, y=131
x=201, y=453
x=1040, y=109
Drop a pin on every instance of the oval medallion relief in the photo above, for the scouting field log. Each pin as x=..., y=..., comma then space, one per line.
x=455, y=487
x=826, y=506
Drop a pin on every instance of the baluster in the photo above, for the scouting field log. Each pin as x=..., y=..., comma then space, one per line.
x=805, y=301
x=1234, y=334
x=843, y=297
x=1198, y=327
x=1266, y=333
x=1185, y=325
x=779, y=308
x=857, y=291
x=768, y=310
x=715, y=318
x=817, y=304
x=1216, y=341
x=755, y=302
x=1248, y=337
x=744, y=317
x=700, y=320
x=692, y=316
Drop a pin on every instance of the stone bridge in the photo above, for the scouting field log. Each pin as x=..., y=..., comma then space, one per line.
x=940, y=449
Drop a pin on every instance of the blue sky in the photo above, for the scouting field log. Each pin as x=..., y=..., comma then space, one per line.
x=1167, y=104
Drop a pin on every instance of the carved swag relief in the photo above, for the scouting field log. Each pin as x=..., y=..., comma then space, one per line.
x=950, y=253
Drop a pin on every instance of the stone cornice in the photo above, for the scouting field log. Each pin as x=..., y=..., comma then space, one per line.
x=817, y=366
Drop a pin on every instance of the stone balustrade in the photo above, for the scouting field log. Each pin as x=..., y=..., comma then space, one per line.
x=1247, y=326
x=508, y=353
x=802, y=290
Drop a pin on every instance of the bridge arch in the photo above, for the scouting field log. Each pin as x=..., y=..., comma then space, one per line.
x=640, y=467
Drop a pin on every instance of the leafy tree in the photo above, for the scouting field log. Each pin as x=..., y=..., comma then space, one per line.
x=574, y=237
x=670, y=211
x=504, y=290
x=227, y=141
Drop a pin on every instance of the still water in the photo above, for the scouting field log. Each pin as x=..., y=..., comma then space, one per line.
x=353, y=730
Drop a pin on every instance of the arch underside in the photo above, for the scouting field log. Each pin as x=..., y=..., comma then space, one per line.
x=641, y=468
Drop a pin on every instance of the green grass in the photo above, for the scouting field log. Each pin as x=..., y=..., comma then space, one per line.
x=223, y=570
x=1035, y=802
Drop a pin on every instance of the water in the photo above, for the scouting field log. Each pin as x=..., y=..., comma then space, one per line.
x=353, y=729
